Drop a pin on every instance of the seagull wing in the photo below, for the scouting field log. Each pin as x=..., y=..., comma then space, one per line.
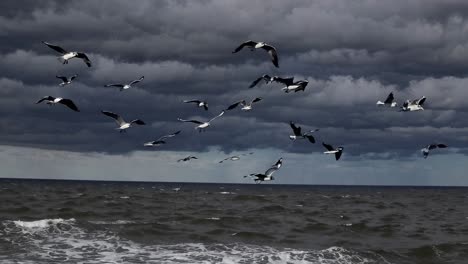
x=389, y=99
x=254, y=83
x=70, y=104
x=169, y=136
x=421, y=100
x=220, y=114
x=137, y=81
x=442, y=146
x=310, y=138
x=328, y=147
x=338, y=155
x=115, y=85
x=248, y=43
x=85, y=58
x=192, y=101
x=274, y=56
x=115, y=116
x=191, y=121
x=270, y=171
x=432, y=146
x=73, y=77
x=56, y=48
x=285, y=81
x=45, y=98
x=296, y=129
x=234, y=105
x=138, y=122
x=63, y=78
x=256, y=100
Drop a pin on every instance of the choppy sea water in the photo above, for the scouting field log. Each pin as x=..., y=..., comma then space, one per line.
x=98, y=222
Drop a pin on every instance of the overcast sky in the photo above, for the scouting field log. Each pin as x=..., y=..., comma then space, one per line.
x=353, y=53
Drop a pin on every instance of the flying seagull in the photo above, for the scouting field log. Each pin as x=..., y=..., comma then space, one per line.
x=66, y=80
x=125, y=86
x=50, y=100
x=198, y=102
x=257, y=45
x=297, y=130
x=160, y=141
x=187, y=158
x=425, y=151
x=414, y=105
x=67, y=55
x=291, y=85
x=245, y=106
x=331, y=150
x=122, y=124
x=235, y=157
x=389, y=101
x=268, y=175
x=201, y=125
x=267, y=78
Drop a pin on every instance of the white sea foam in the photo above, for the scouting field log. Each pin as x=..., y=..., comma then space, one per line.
x=62, y=241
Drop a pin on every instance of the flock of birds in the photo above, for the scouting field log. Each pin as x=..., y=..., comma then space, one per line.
x=290, y=85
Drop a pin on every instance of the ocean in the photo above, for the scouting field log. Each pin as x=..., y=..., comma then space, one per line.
x=117, y=222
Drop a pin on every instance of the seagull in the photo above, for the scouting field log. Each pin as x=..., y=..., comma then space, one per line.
x=291, y=85
x=122, y=124
x=66, y=80
x=257, y=45
x=199, y=103
x=389, y=101
x=331, y=150
x=298, y=133
x=125, y=86
x=160, y=141
x=245, y=106
x=268, y=175
x=66, y=55
x=425, y=151
x=235, y=157
x=201, y=125
x=50, y=100
x=267, y=78
x=414, y=105
x=187, y=158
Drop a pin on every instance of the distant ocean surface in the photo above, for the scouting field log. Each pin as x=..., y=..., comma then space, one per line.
x=112, y=222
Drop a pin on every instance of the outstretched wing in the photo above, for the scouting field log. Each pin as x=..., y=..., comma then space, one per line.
x=234, y=105
x=56, y=48
x=274, y=56
x=115, y=85
x=389, y=99
x=45, y=98
x=442, y=146
x=421, y=100
x=191, y=121
x=310, y=138
x=137, y=81
x=73, y=77
x=63, y=78
x=328, y=147
x=70, y=104
x=118, y=119
x=285, y=81
x=296, y=129
x=192, y=101
x=220, y=114
x=338, y=155
x=248, y=43
x=256, y=100
x=169, y=136
x=85, y=58
x=138, y=122
x=254, y=83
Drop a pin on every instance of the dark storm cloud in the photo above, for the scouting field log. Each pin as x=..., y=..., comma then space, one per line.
x=353, y=53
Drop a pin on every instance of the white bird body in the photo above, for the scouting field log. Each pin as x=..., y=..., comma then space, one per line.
x=50, y=100
x=67, y=55
x=201, y=125
x=415, y=105
x=331, y=150
x=125, y=86
x=123, y=125
x=268, y=175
